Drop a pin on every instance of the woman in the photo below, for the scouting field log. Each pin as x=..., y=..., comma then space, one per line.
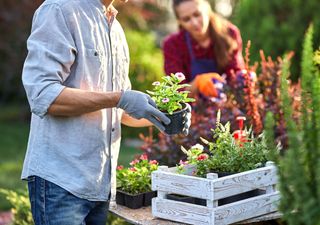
x=205, y=46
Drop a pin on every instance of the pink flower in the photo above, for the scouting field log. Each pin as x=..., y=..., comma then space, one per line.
x=120, y=167
x=183, y=162
x=153, y=162
x=156, y=83
x=144, y=157
x=165, y=100
x=202, y=157
x=133, y=169
x=134, y=162
x=180, y=76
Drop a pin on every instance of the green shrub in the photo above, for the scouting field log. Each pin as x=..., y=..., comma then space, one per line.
x=277, y=26
x=145, y=60
x=300, y=167
x=20, y=206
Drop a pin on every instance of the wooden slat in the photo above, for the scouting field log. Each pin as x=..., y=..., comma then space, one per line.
x=181, y=212
x=243, y=182
x=182, y=184
x=246, y=209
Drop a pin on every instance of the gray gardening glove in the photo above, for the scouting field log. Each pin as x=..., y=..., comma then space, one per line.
x=187, y=121
x=140, y=105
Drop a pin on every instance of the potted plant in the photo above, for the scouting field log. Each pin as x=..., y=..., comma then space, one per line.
x=171, y=98
x=134, y=183
x=230, y=153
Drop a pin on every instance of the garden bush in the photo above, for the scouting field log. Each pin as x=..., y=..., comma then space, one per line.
x=299, y=168
x=277, y=26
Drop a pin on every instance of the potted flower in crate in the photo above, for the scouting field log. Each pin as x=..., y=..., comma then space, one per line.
x=134, y=183
x=171, y=98
x=230, y=153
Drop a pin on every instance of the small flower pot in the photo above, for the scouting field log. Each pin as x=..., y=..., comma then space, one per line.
x=134, y=201
x=120, y=197
x=177, y=118
x=148, y=197
x=181, y=198
x=129, y=200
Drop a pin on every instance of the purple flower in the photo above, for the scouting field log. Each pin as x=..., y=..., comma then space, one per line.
x=180, y=76
x=165, y=100
x=156, y=83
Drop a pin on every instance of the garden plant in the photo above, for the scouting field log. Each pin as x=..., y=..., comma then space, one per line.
x=134, y=183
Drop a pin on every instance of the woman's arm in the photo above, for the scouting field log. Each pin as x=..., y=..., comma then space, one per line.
x=236, y=61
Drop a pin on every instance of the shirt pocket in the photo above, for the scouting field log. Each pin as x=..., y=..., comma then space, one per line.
x=96, y=67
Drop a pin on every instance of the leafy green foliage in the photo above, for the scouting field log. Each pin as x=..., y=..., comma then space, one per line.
x=137, y=178
x=228, y=154
x=277, y=26
x=145, y=59
x=169, y=94
x=299, y=169
x=20, y=206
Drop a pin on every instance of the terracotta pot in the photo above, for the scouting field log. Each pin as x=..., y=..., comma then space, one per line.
x=176, y=126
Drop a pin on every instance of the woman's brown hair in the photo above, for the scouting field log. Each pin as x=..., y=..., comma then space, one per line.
x=224, y=44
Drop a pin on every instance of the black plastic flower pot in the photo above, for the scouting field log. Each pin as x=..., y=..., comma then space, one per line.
x=120, y=197
x=148, y=197
x=133, y=201
x=181, y=198
x=177, y=121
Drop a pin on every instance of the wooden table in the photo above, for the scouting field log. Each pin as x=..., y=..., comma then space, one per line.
x=143, y=216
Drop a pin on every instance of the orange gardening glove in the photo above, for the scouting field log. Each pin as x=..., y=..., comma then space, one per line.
x=205, y=84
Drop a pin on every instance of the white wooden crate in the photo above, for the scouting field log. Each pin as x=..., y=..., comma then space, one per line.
x=166, y=181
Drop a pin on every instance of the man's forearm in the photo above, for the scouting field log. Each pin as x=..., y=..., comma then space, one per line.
x=74, y=102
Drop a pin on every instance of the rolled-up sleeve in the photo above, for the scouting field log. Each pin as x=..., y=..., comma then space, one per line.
x=51, y=54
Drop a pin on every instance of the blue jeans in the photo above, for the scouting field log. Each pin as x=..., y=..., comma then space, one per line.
x=52, y=205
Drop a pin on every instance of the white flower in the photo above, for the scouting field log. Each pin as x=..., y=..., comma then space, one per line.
x=180, y=76
x=198, y=146
x=156, y=83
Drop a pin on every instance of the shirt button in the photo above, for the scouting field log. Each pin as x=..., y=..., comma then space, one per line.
x=112, y=129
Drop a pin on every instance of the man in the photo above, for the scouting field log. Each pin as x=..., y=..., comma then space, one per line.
x=76, y=80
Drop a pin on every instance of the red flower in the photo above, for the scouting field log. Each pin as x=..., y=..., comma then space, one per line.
x=134, y=162
x=133, y=169
x=120, y=167
x=144, y=157
x=240, y=136
x=153, y=162
x=202, y=157
x=240, y=120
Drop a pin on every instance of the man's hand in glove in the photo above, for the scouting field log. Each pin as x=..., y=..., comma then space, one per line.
x=140, y=105
x=209, y=83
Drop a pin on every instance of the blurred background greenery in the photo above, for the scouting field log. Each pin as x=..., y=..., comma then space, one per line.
x=276, y=26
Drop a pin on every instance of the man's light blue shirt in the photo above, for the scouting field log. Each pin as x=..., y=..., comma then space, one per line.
x=72, y=45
